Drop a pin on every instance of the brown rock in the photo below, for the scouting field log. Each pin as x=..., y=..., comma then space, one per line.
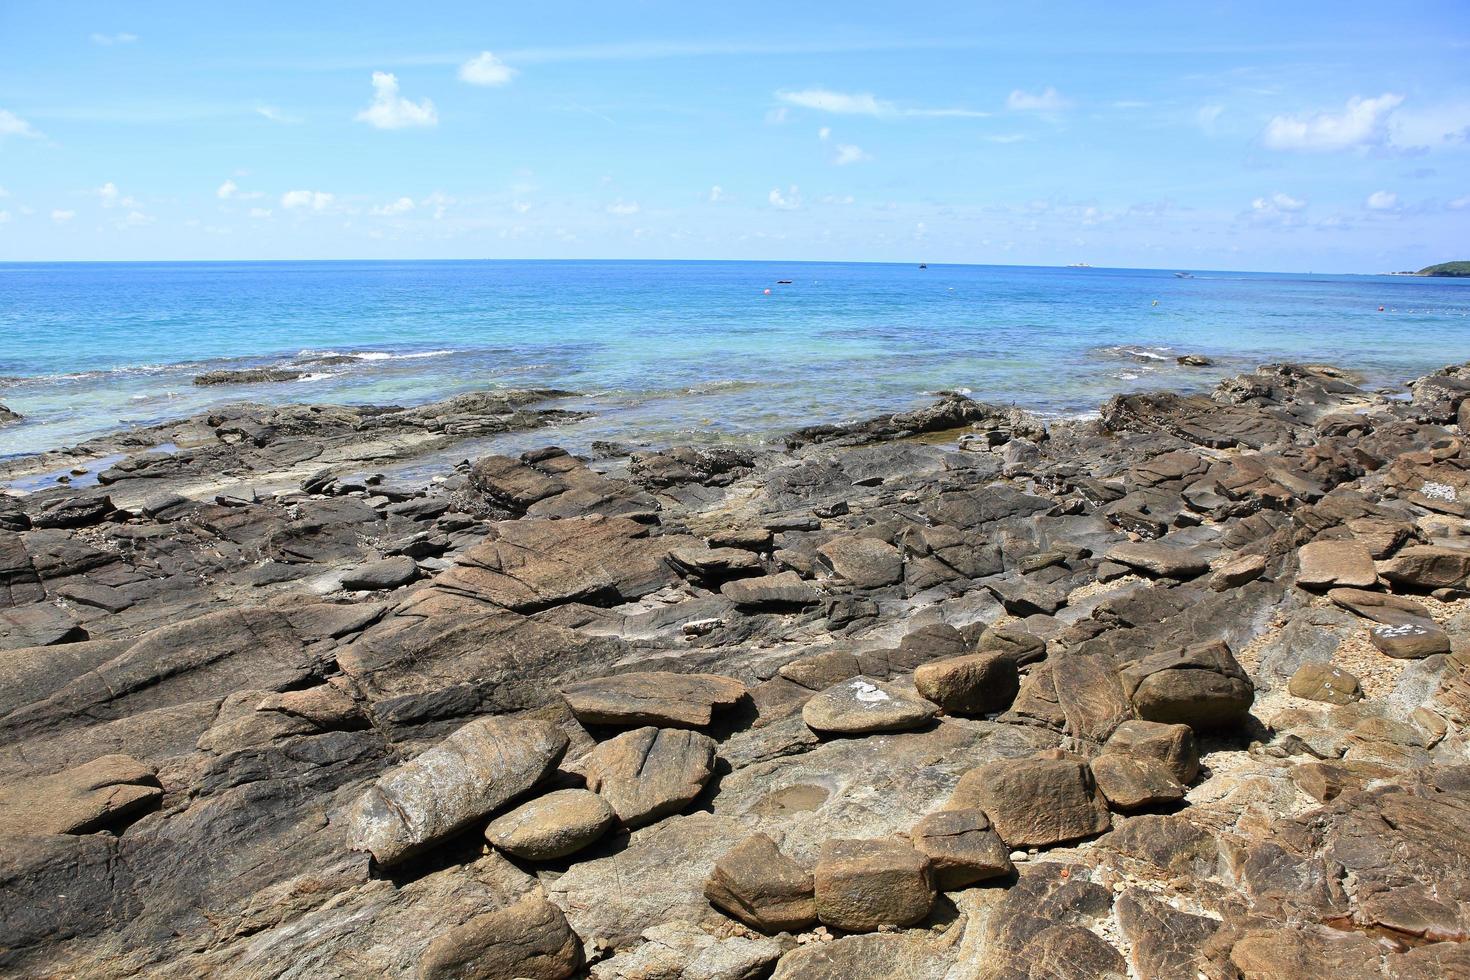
x=652, y=698
x=1159, y=559
x=861, y=706
x=760, y=886
x=552, y=826
x=1410, y=639
x=978, y=684
x=1173, y=745
x=863, y=884
x=1333, y=564
x=865, y=562
x=104, y=793
x=1130, y=783
x=1035, y=802
x=1323, y=682
x=961, y=848
x=529, y=939
x=1201, y=686
x=1237, y=572
x=649, y=773
x=1379, y=606
x=1428, y=567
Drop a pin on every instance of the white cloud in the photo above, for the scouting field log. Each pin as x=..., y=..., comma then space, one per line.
x=825, y=133
x=401, y=206
x=13, y=125
x=60, y=216
x=1431, y=126
x=1047, y=100
x=1278, y=209
x=848, y=153
x=314, y=200
x=485, y=69
x=1281, y=202
x=4, y=217
x=108, y=40
x=520, y=207
x=276, y=115
x=1363, y=122
x=838, y=199
x=4, y=192
x=623, y=207
x=1382, y=201
x=260, y=212
x=857, y=104
x=1460, y=203
x=135, y=219
x=789, y=201
x=113, y=198
x=439, y=202
x=1207, y=115
x=389, y=110
x=1007, y=138
x=716, y=193
x=227, y=190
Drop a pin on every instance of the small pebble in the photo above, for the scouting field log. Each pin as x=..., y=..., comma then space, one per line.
x=1020, y=856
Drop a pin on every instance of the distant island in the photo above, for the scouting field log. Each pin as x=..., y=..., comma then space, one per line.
x=1446, y=269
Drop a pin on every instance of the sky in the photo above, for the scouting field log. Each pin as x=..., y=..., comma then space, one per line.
x=1279, y=137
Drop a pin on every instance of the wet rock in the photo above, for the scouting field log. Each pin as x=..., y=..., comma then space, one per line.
x=1035, y=802
x=1159, y=559
x=864, y=884
x=390, y=573
x=246, y=376
x=783, y=590
x=961, y=847
x=470, y=774
x=1428, y=567
x=757, y=884
x=1410, y=639
x=106, y=793
x=1193, y=360
x=649, y=772
x=1322, y=682
x=1172, y=745
x=551, y=826
x=529, y=939
x=8, y=416
x=1335, y=564
x=977, y=684
x=1200, y=686
x=862, y=706
x=657, y=698
x=1128, y=782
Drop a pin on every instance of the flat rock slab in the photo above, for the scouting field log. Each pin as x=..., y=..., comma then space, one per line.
x=785, y=589
x=1336, y=564
x=470, y=774
x=1410, y=640
x=102, y=794
x=1130, y=783
x=862, y=706
x=650, y=773
x=1428, y=567
x=1159, y=559
x=864, y=562
x=551, y=826
x=390, y=573
x=1379, y=606
x=659, y=698
x=529, y=938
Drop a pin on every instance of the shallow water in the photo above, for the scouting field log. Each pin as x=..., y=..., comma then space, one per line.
x=677, y=351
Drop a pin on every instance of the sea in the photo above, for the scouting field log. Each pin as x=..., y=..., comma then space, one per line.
x=672, y=352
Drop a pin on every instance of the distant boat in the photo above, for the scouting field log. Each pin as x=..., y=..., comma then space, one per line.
x=783, y=282
x=1079, y=265
x=923, y=265
x=1183, y=275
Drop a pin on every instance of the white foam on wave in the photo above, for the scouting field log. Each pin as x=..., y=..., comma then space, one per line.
x=377, y=355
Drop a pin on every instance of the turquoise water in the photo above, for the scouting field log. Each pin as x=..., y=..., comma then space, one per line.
x=677, y=351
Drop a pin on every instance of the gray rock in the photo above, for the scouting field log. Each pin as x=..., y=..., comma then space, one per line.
x=529, y=939
x=683, y=951
x=390, y=573
x=785, y=589
x=1159, y=559
x=1410, y=639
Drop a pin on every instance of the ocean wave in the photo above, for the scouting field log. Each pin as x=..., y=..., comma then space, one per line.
x=374, y=355
x=1137, y=352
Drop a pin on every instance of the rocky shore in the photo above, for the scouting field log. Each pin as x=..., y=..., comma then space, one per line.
x=1179, y=691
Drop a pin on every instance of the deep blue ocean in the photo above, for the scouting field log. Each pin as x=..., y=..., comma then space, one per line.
x=678, y=351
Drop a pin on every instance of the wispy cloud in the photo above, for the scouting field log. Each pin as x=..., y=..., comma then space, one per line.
x=276, y=115
x=1382, y=201
x=309, y=200
x=621, y=207
x=1361, y=123
x=389, y=110
x=108, y=40
x=847, y=154
x=1047, y=100
x=227, y=190
x=13, y=125
x=111, y=197
x=60, y=217
x=401, y=206
x=789, y=201
x=485, y=69
x=864, y=104
x=716, y=193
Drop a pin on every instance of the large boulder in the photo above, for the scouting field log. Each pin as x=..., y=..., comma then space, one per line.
x=783, y=590
x=1201, y=686
x=1128, y=782
x=977, y=684
x=1428, y=567
x=961, y=847
x=1172, y=745
x=864, y=884
x=861, y=706
x=1035, y=802
x=652, y=698
x=551, y=826
x=470, y=774
x=760, y=886
x=649, y=773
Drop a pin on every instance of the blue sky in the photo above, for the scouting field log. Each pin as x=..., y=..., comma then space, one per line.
x=1281, y=136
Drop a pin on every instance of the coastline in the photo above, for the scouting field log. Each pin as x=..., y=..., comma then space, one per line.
x=1119, y=658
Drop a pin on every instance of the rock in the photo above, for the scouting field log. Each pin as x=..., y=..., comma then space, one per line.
x=683, y=951
x=76, y=510
x=528, y=939
x=1428, y=567
x=1163, y=943
x=1380, y=606
x=978, y=684
x=1129, y=783
x=961, y=848
x=8, y=416
x=1323, y=682
x=757, y=884
x=470, y=774
x=1035, y=802
x=864, y=562
x=864, y=884
x=1159, y=559
x=875, y=956
x=1237, y=572
x=247, y=376
x=649, y=773
x=1410, y=640
x=1193, y=360
x=1172, y=745
x=862, y=706
x=104, y=794
x=551, y=826
x=1201, y=686
x=715, y=563
x=784, y=589
x=390, y=573
x=1334, y=564
x=655, y=698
